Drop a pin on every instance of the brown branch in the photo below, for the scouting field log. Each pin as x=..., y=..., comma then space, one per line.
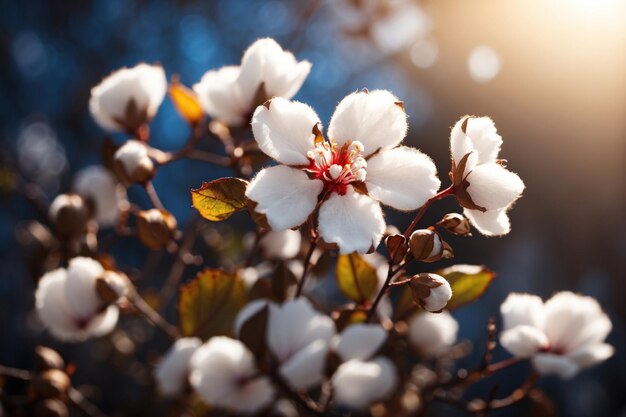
x=151, y=315
x=15, y=373
x=88, y=408
x=154, y=197
x=307, y=264
x=448, y=191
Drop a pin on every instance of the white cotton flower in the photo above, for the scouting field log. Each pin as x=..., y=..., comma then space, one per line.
x=172, y=373
x=224, y=374
x=357, y=384
x=299, y=337
x=491, y=187
x=281, y=244
x=99, y=185
x=432, y=333
x=247, y=312
x=359, y=341
x=365, y=124
x=68, y=304
x=132, y=162
x=229, y=94
x=561, y=336
x=128, y=98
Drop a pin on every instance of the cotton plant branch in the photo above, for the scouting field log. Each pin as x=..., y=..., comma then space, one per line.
x=152, y=315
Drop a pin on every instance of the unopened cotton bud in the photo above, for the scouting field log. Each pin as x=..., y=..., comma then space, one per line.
x=52, y=383
x=111, y=286
x=456, y=224
x=47, y=358
x=155, y=227
x=431, y=291
x=132, y=163
x=426, y=245
x=69, y=214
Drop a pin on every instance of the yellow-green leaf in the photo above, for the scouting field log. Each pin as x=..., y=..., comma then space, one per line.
x=209, y=303
x=356, y=278
x=468, y=282
x=219, y=199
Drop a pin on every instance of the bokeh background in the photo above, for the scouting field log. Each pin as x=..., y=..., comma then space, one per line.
x=552, y=74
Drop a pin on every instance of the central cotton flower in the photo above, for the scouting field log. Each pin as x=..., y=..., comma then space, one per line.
x=330, y=178
x=337, y=166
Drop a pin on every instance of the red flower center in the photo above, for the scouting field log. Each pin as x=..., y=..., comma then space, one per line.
x=337, y=166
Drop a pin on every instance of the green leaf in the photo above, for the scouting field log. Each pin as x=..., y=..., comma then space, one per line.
x=209, y=303
x=468, y=282
x=219, y=199
x=356, y=278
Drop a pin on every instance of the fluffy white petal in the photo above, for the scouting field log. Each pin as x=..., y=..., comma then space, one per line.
x=285, y=195
x=491, y=222
x=52, y=308
x=146, y=84
x=294, y=325
x=439, y=296
x=522, y=309
x=480, y=138
x=589, y=355
x=524, y=341
x=283, y=244
x=98, y=184
x=220, y=96
x=104, y=322
x=403, y=178
x=431, y=333
x=493, y=187
x=358, y=384
x=573, y=321
x=131, y=154
x=305, y=369
x=551, y=364
x=359, y=341
x=372, y=118
x=172, y=372
x=285, y=130
x=266, y=62
x=353, y=221
x=80, y=287
x=223, y=373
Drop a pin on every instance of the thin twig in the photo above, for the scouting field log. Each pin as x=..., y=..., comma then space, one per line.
x=448, y=191
x=307, y=264
x=154, y=197
x=22, y=374
x=152, y=316
x=77, y=398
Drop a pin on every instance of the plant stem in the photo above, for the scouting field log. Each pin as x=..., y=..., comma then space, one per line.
x=307, y=261
x=154, y=197
x=15, y=373
x=152, y=316
x=448, y=191
x=77, y=398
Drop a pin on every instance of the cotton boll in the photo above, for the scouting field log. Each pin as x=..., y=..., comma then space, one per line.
x=359, y=341
x=99, y=185
x=432, y=333
x=284, y=244
x=431, y=291
x=69, y=214
x=173, y=371
x=224, y=374
x=128, y=98
x=132, y=163
x=357, y=384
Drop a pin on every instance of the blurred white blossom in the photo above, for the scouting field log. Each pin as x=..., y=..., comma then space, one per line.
x=299, y=336
x=432, y=333
x=132, y=162
x=68, y=304
x=172, y=373
x=492, y=188
x=562, y=336
x=281, y=244
x=365, y=124
x=359, y=341
x=128, y=98
x=229, y=94
x=99, y=185
x=358, y=383
x=224, y=374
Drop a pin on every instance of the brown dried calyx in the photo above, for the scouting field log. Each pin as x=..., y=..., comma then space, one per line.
x=427, y=246
x=458, y=176
x=431, y=291
x=47, y=358
x=111, y=286
x=69, y=214
x=156, y=228
x=53, y=383
x=455, y=223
